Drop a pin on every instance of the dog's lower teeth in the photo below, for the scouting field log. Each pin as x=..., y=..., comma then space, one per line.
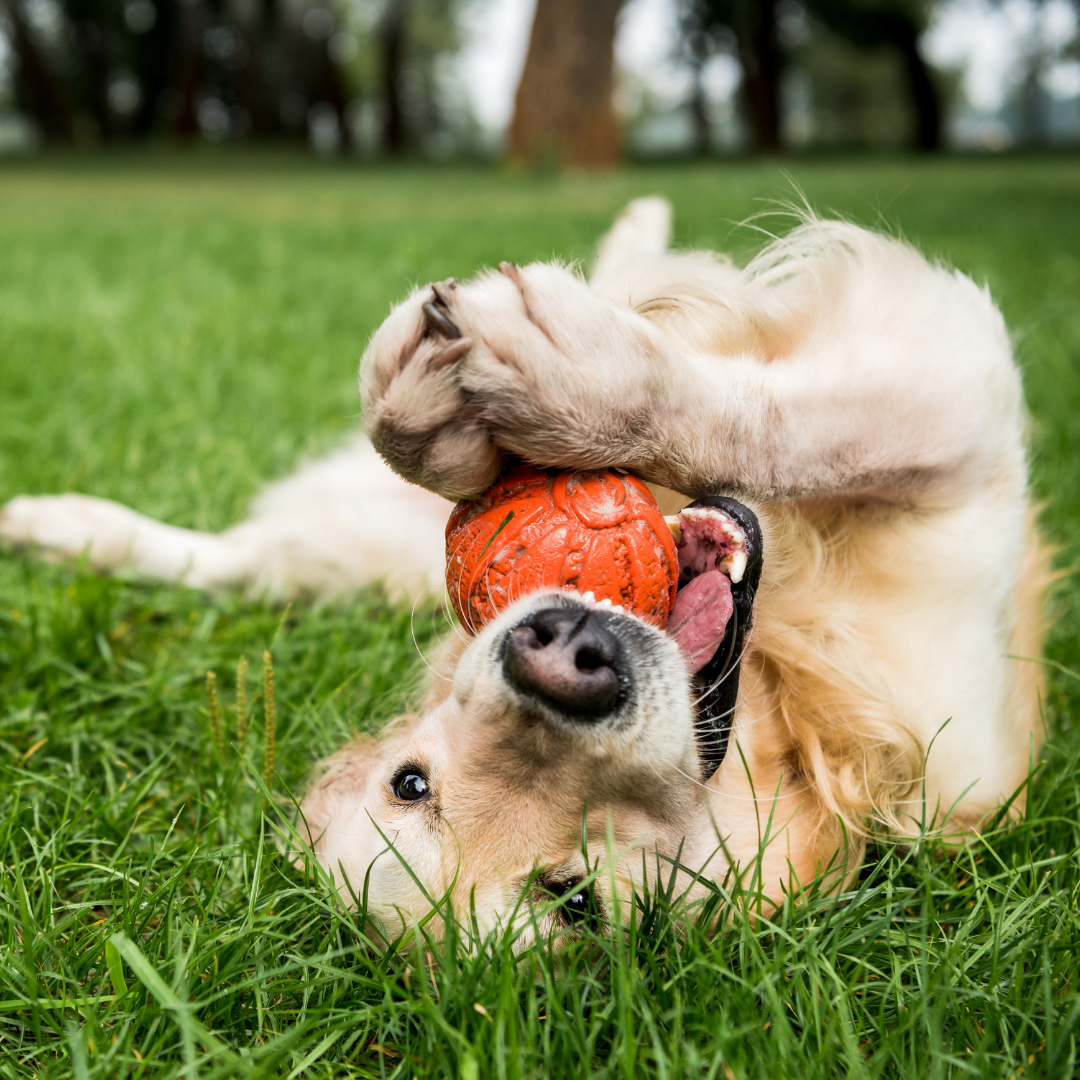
x=589, y=597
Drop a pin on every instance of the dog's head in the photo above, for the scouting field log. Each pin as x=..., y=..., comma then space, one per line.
x=574, y=736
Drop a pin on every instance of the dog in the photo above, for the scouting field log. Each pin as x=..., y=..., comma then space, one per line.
x=844, y=413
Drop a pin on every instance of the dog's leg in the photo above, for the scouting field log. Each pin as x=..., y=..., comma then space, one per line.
x=641, y=233
x=335, y=525
x=878, y=376
x=112, y=536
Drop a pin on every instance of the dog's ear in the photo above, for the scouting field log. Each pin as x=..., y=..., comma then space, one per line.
x=341, y=782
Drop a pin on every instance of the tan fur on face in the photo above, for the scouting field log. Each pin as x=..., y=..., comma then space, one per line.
x=865, y=403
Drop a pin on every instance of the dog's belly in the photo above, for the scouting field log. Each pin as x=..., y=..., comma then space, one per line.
x=946, y=633
x=917, y=610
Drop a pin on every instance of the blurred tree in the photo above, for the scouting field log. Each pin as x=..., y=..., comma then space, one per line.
x=109, y=70
x=898, y=24
x=405, y=78
x=392, y=48
x=563, y=111
x=695, y=47
x=38, y=89
x=752, y=25
x=838, y=95
x=182, y=104
x=865, y=24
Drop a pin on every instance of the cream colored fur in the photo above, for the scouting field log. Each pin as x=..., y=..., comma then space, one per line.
x=861, y=399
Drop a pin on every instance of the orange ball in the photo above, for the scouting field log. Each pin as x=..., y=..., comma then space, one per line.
x=595, y=531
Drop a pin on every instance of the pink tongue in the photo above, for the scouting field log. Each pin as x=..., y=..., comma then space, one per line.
x=700, y=616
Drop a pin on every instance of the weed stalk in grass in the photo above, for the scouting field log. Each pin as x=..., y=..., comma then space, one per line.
x=270, y=707
x=241, y=702
x=214, y=709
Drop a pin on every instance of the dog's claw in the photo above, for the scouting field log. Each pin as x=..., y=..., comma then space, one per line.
x=439, y=321
x=510, y=270
x=449, y=354
x=444, y=291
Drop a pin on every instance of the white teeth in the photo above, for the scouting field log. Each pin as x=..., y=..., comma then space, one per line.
x=604, y=603
x=618, y=607
x=731, y=531
x=589, y=597
x=700, y=513
x=735, y=565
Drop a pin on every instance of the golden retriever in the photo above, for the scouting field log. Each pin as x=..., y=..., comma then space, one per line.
x=858, y=409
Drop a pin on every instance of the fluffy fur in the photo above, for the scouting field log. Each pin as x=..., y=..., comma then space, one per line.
x=862, y=400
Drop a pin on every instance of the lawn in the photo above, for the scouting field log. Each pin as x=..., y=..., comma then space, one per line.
x=175, y=332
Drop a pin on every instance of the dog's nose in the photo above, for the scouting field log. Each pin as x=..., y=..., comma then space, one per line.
x=568, y=658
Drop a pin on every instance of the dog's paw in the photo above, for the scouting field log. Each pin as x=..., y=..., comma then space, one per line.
x=527, y=361
x=66, y=525
x=415, y=410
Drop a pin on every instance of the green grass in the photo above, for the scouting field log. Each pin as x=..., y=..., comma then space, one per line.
x=172, y=334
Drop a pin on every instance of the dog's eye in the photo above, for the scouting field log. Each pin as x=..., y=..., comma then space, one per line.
x=580, y=904
x=410, y=785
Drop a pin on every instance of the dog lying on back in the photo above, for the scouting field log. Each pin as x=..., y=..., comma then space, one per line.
x=858, y=403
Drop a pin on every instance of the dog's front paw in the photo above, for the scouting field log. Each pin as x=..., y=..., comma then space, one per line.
x=415, y=410
x=526, y=361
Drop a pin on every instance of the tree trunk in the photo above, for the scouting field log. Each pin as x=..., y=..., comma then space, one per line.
x=699, y=114
x=924, y=96
x=761, y=61
x=187, y=74
x=251, y=17
x=699, y=103
x=41, y=93
x=564, y=111
x=392, y=47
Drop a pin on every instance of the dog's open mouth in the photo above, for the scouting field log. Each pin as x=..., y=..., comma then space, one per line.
x=712, y=557
x=720, y=560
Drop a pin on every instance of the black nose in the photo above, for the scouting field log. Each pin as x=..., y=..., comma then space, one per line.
x=568, y=658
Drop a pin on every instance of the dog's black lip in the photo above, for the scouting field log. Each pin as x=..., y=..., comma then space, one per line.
x=716, y=705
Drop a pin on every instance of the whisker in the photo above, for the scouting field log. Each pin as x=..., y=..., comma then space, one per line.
x=748, y=694
x=712, y=720
x=453, y=625
x=750, y=723
x=462, y=607
x=735, y=667
x=416, y=644
x=731, y=668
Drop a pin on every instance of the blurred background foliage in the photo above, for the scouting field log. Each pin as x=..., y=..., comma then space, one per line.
x=391, y=77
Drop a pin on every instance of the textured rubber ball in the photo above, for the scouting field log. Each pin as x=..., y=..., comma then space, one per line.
x=596, y=531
